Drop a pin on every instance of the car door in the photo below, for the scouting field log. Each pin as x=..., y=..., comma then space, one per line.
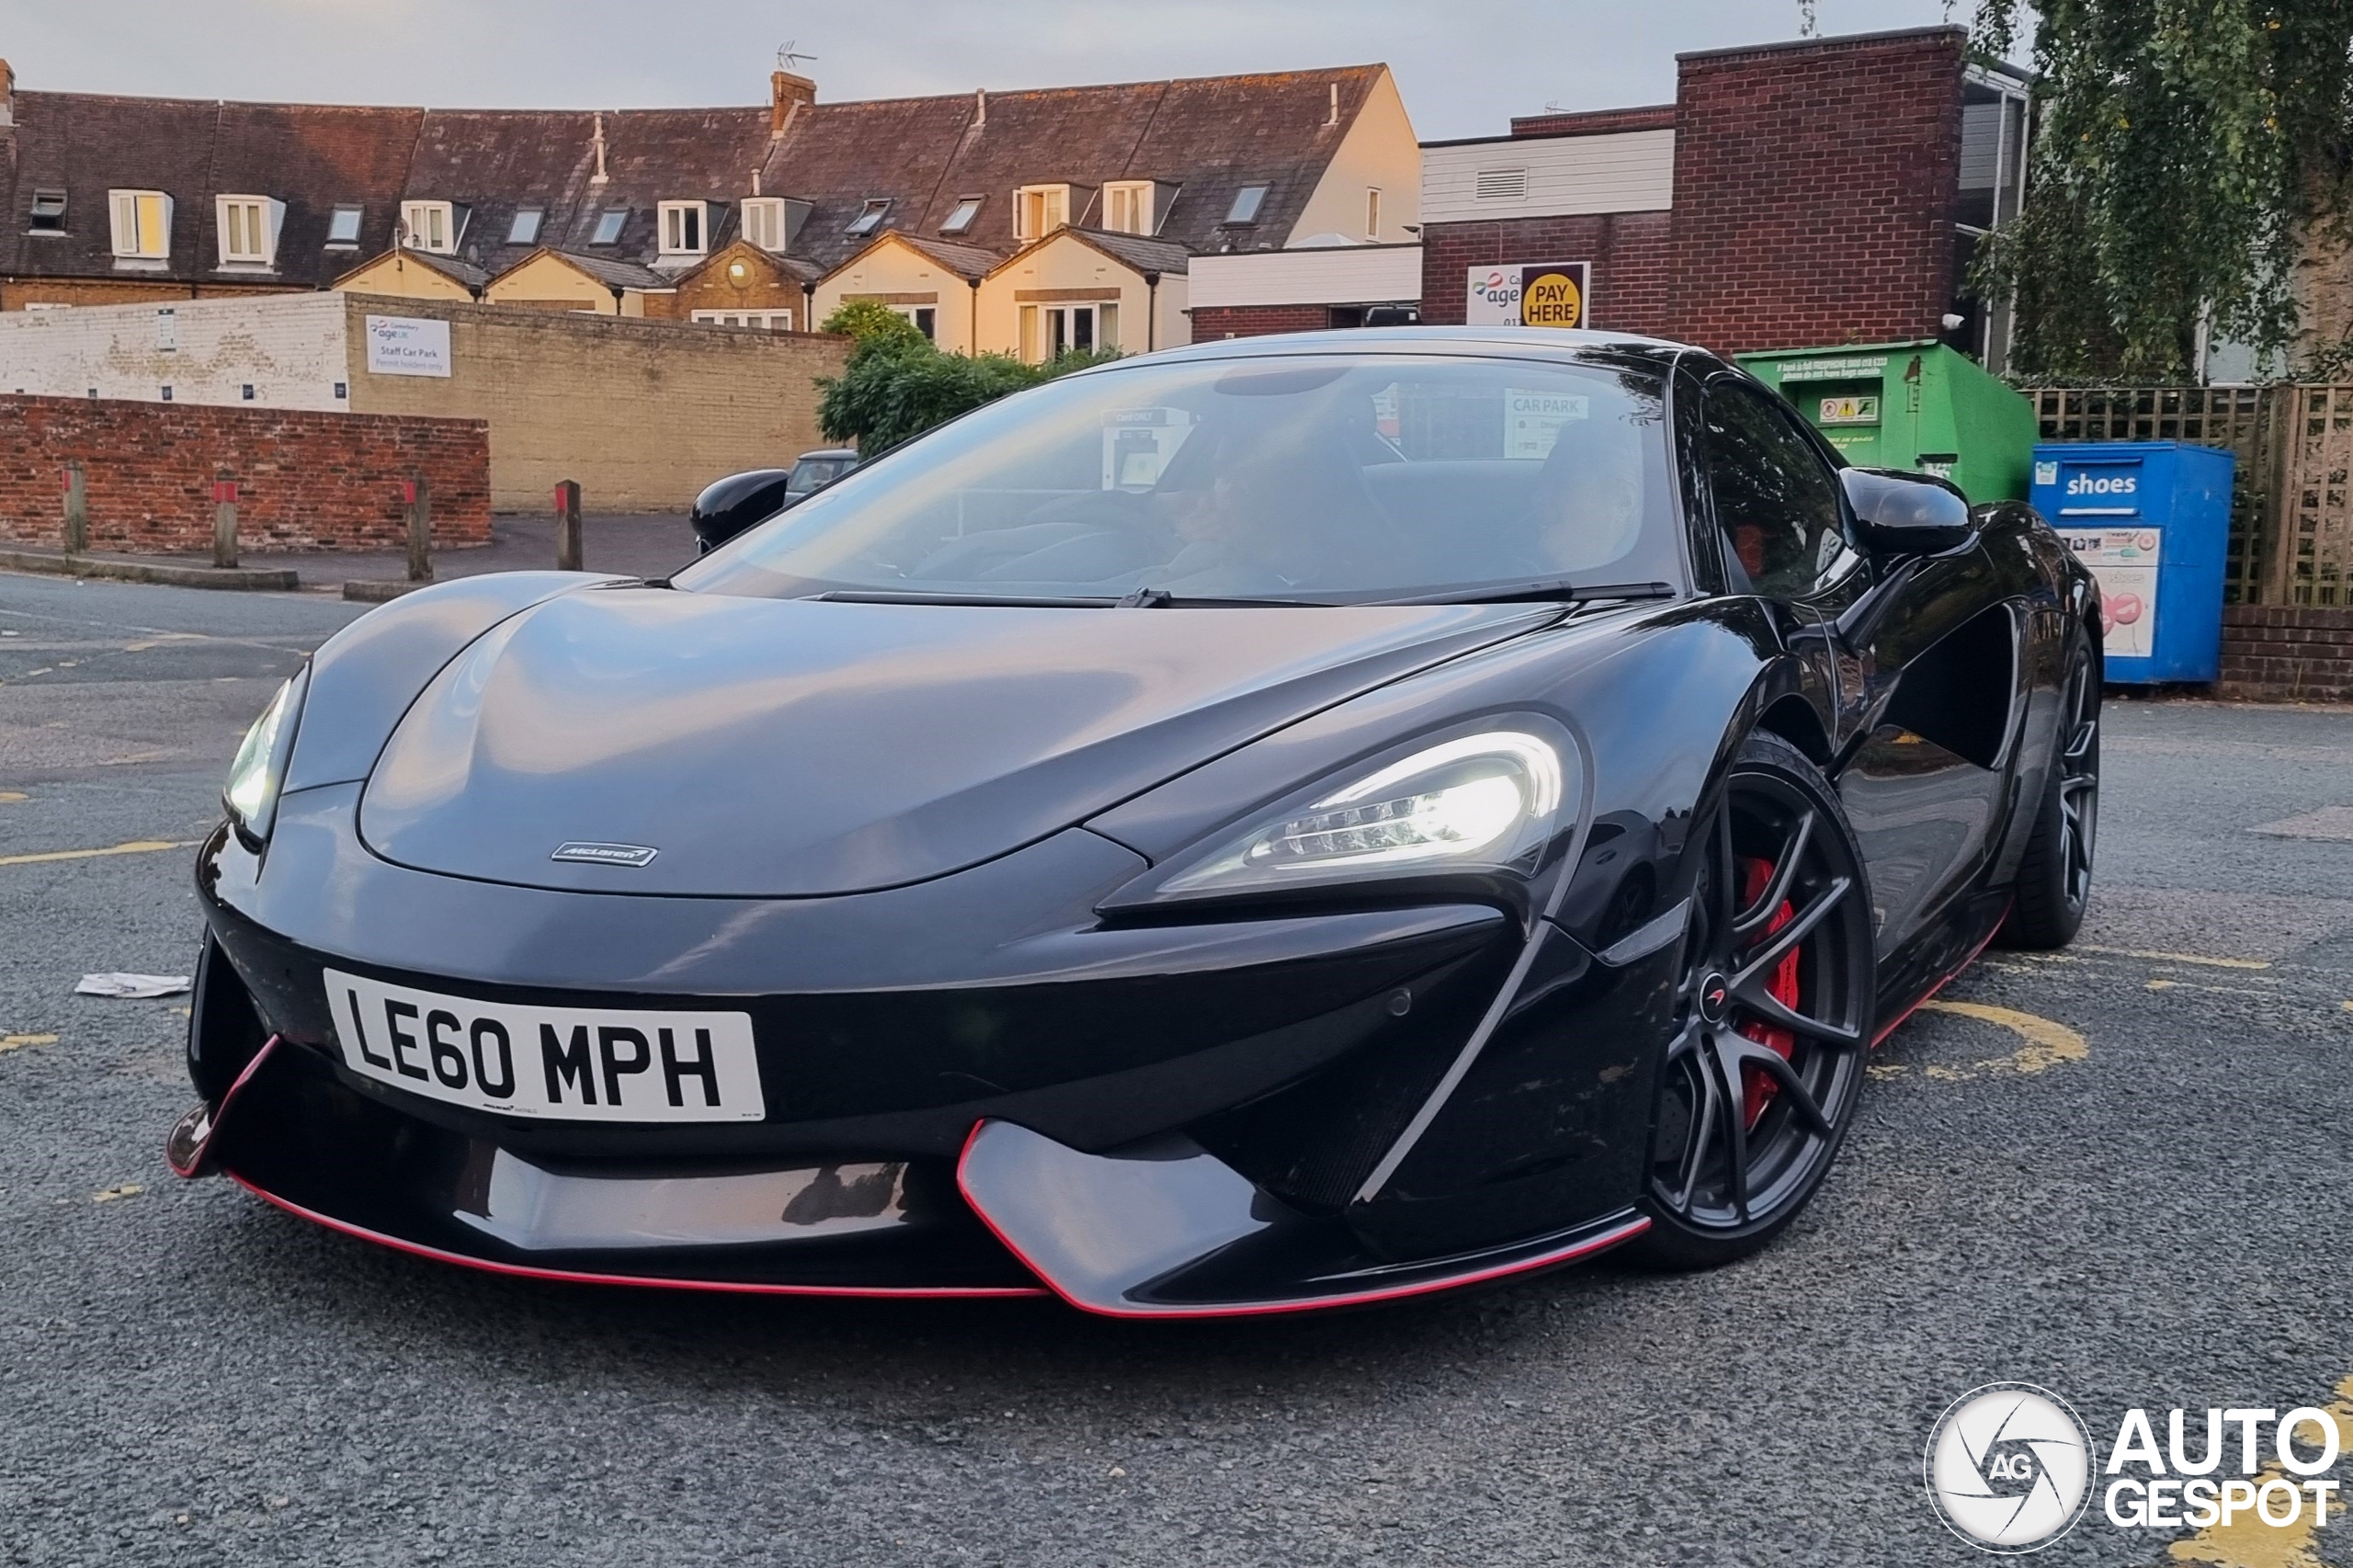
x=1925, y=661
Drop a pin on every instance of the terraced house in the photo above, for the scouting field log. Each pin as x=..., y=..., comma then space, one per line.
x=1026, y=221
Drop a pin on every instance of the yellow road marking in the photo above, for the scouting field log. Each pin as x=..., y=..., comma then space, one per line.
x=2175, y=958
x=10, y=797
x=127, y=1189
x=2048, y=1043
x=136, y=846
x=2213, y=990
x=17, y=1041
x=2247, y=1542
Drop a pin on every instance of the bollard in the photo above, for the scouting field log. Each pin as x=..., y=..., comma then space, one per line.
x=420, y=529
x=567, y=524
x=77, y=508
x=224, y=520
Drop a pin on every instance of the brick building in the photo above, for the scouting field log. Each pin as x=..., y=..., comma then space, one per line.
x=1821, y=191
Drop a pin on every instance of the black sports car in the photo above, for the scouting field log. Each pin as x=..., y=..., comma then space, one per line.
x=1279, y=823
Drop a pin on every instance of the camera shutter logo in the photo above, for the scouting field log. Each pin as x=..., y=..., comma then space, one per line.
x=2009, y=1468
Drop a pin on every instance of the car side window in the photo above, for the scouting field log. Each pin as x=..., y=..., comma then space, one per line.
x=1776, y=502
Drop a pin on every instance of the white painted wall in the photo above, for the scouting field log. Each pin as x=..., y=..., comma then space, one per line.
x=1336, y=274
x=1627, y=171
x=291, y=348
x=1380, y=153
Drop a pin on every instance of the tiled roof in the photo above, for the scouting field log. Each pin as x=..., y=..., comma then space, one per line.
x=312, y=157
x=1144, y=255
x=449, y=267
x=965, y=261
x=618, y=271
x=1202, y=139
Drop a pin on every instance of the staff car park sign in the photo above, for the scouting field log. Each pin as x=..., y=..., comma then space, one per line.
x=1556, y=294
x=407, y=346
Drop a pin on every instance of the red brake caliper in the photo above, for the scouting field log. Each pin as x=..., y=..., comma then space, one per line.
x=1757, y=1090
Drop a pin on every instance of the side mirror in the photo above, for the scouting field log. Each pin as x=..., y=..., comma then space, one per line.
x=732, y=504
x=1907, y=514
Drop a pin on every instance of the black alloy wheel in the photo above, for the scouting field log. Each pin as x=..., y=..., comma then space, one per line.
x=1763, y=1073
x=2055, y=873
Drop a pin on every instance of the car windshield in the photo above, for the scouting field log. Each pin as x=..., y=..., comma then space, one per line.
x=1331, y=478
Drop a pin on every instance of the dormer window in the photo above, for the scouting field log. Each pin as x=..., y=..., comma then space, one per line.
x=1247, y=203
x=961, y=216
x=682, y=228
x=47, y=216
x=430, y=227
x=869, y=216
x=608, y=226
x=343, y=225
x=523, y=229
x=764, y=222
x=248, y=228
x=143, y=224
x=1127, y=206
x=1039, y=209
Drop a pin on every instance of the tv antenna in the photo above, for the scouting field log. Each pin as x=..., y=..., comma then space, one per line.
x=786, y=57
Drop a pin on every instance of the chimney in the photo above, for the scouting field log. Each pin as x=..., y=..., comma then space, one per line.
x=8, y=94
x=980, y=107
x=1334, y=117
x=599, y=177
x=788, y=94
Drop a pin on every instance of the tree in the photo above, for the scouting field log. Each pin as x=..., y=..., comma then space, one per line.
x=897, y=385
x=2191, y=165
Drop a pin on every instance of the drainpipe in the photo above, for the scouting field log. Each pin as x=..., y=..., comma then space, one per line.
x=973, y=323
x=1150, y=311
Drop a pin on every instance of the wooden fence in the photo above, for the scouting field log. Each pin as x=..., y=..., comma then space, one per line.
x=2292, y=512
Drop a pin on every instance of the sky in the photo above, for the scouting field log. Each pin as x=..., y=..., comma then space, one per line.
x=1464, y=70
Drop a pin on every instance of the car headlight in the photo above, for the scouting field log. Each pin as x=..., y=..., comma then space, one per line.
x=1491, y=800
x=250, y=794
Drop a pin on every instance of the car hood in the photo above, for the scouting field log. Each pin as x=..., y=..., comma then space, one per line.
x=793, y=748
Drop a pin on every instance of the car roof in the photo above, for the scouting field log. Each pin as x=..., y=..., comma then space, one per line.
x=1530, y=342
x=827, y=454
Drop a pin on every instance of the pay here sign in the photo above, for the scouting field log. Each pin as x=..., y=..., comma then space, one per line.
x=1557, y=293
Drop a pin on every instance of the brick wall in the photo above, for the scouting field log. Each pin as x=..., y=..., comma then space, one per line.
x=1214, y=322
x=1815, y=189
x=16, y=293
x=2287, y=653
x=1595, y=121
x=306, y=480
x=1632, y=256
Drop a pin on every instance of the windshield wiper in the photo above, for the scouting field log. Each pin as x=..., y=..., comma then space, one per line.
x=1529, y=590
x=1161, y=599
x=916, y=596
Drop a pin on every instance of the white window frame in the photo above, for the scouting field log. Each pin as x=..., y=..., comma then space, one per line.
x=675, y=220
x=764, y=222
x=430, y=226
x=1372, y=212
x=869, y=221
x=247, y=229
x=914, y=316
x=539, y=224
x=131, y=211
x=769, y=320
x=1052, y=203
x=616, y=216
x=335, y=216
x=1136, y=195
x=1042, y=326
x=970, y=207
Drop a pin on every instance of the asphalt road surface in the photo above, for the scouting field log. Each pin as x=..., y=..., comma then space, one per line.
x=2122, y=1172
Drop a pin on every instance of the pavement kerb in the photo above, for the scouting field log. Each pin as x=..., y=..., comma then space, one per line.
x=127, y=570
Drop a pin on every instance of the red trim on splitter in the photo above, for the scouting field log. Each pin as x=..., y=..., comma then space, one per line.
x=572, y=1276
x=1985, y=942
x=1569, y=1254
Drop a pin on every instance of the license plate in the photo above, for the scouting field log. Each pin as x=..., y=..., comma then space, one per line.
x=571, y=1063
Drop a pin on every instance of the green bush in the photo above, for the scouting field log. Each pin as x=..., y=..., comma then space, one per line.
x=897, y=385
